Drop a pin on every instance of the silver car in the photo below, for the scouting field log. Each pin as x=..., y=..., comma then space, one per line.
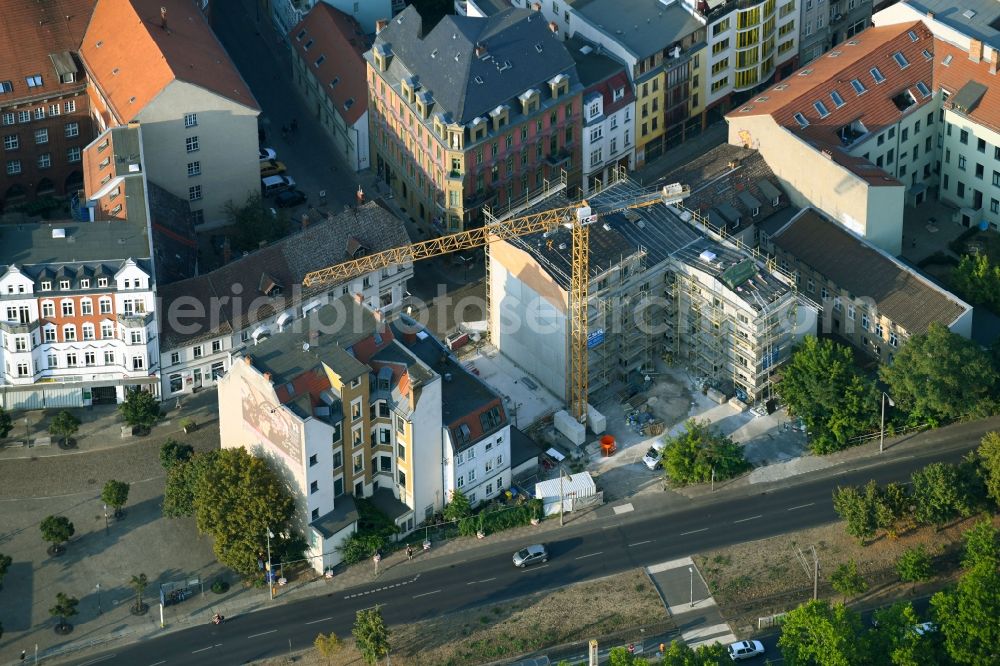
x=531, y=555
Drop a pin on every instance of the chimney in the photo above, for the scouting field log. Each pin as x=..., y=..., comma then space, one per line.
x=553, y=27
x=305, y=221
x=930, y=14
x=975, y=50
x=267, y=377
x=480, y=50
x=358, y=298
x=380, y=24
x=247, y=360
x=163, y=17
x=536, y=6
x=410, y=337
x=993, y=61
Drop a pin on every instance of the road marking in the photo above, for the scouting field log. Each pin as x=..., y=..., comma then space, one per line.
x=203, y=649
x=157, y=663
x=425, y=594
x=481, y=581
x=743, y=520
x=639, y=543
x=535, y=568
x=590, y=555
x=670, y=564
x=800, y=506
x=623, y=508
x=318, y=621
x=263, y=633
x=100, y=659
x=704, y=529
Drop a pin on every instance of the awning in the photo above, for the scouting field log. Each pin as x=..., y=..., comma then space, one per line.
x=283, y=319
x=310, y=306
x=259, y=331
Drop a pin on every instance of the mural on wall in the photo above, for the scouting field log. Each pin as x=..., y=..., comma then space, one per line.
x=270, y=422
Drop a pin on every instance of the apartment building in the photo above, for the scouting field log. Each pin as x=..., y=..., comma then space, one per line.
x=748, y=43
x=43, y=99
x=869, y=298
x=853, y=133
x=349, y=408
x=206, y=318
x=328, y=70
x=966, y=101
x=823, y=24
x=664, y=284
x=608, y=114
x=662, y=48
x=466, y=115
x=159, y=63
x=78, y=299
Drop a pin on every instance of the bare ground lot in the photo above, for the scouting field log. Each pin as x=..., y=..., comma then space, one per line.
x=499, y=631
x=761, y=578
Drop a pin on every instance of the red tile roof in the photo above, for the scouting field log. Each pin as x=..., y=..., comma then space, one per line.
x=959, y=71
x=30, y=31
x=337, y=38
x=133, y=56
x=834, y=72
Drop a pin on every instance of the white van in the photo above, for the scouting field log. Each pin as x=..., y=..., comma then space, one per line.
x=273, y=184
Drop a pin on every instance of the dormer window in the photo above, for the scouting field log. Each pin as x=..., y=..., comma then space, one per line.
x=618, y=94
x=46, y=285
x=559, y=85
x=64, y=284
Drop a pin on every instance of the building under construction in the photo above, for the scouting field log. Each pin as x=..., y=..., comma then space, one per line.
x=663, y=284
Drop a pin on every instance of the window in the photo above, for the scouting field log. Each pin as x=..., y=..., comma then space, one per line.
x=190, y=119
x=850, y=312
x=8, y=118
x=820, y=109
x=837, y=99
x=89, y=358
x=402, y=477
x=71, y=360
x=359, y=462
x=105, y=305
x=72, y=129
x=963, y=137
x=45, y=160
x=338, y=459
x=109, y=358
x=48, y=309
x=53, y=361
x=67, y=307
x=858, y=86
x=194, y=169
x=313, y=486
x=216, y=346
x=69, y=333
x=11, y=142
x=924, y=90
x=191, y=144
x=801, y=120
x=877, y=75
x=34, y=81
x=136, y=337
x=24, y=116
x=961, y=162
x=194, y=193
x=472, y=475
x=70, y=106
x=900, y=60
x=46, y=285
x=196, y=352
x=13, y=167
x=41, y=136
x=864, y=322
x=86, y=307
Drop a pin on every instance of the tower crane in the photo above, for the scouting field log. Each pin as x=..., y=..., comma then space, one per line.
x=577, y=217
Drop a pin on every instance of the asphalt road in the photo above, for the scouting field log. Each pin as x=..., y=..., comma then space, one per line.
x=598, y=548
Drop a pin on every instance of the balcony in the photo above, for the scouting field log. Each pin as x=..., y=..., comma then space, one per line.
x=17, y=328
x=135, y=319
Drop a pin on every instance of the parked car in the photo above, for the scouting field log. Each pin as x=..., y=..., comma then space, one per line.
x=272, y=168
x=267, y=154
x=273, y=184
x=745, y=650
x=652, y=459
x=531, y=555
x=289, y=198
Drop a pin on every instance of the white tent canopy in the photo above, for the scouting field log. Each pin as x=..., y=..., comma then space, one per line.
x=573, y=487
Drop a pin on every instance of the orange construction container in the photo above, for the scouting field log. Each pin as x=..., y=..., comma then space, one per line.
x=608, y=446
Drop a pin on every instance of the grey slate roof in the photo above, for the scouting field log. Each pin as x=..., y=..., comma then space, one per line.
x=521, y=53
x=174, y=242
x=899, y=292
x=324, y=243
x=344, y=514
x=979, y=19
x=644, y=27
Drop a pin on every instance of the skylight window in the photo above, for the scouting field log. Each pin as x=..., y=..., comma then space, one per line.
x=302, y=33
x=336, y=80
x=927, y=55
x=821, y=109
x=305, y=47
x=805, y=72
x=913, y=35
x=924, y=90
x=858, y=86
x=877, y=75
x=947, y=60
x=320, y=60
x=837, y=99
x=801, y=120
x=900, y=60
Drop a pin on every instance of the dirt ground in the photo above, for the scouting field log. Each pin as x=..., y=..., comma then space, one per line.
x=524, y=625
x=761, y=578
x=669, y=398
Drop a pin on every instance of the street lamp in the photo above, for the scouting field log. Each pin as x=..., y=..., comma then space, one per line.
x=107, y=529
x=100, y=611
x=881, y=432
x=267, y=569
x=691, y=571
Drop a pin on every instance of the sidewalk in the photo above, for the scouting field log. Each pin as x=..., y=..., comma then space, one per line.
x=100, y=427
x=685, y=152
x=690, y=603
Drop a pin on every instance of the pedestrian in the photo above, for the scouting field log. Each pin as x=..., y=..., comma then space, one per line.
x=24, y=653
x=295, y=125
x=409, y=552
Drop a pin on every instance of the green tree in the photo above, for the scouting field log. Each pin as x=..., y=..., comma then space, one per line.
x=859, y=509
x=139, y=584
x=940, y=493
x=894, y=506
x=182, y=479
x=846, y=579
x=982, y=545
x=458, y=507
x=371, y=635
x=939, y=375
x=819, y=634
x=988, y=455
x=894, y=641
x=680, y=654
x=977, y=281
x=173, y=452
x=5, y=562
x=328, y=645
x=115, y=495
x=967, y=616
x=64, y=425
x=5, y=423
x=141, y=410
x=57, y=530
x=692, y=454
x=236, y=500
x=253, y=224
x=915, y=565
x=619, y=656
x=65, y=608
x=822, y=386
